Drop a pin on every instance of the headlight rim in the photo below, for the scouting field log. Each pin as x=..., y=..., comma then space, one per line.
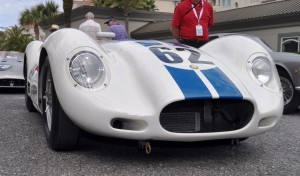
x=102, y=69
x=267, y=57
x=267, y=61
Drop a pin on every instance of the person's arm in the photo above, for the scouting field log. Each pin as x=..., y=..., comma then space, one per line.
x=176, y=22
x=175, y=32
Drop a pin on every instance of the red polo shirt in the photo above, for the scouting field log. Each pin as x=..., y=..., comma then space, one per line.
x=187, y=22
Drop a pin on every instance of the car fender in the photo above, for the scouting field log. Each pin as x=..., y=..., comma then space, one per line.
x=234, y=52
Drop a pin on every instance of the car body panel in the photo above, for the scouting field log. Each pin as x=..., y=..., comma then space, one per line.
x=290, y=62
x=143, y=77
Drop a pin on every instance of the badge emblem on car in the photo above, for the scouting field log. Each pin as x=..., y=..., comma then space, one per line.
x=194, y=66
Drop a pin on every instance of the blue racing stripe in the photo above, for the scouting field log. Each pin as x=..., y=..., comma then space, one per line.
x=223, y=85
x=190, y=84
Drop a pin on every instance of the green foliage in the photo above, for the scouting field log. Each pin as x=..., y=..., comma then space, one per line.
x=12, y=39
x=127, y=5
x=37, y=14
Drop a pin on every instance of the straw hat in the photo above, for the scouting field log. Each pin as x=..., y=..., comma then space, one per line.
x=54, y=27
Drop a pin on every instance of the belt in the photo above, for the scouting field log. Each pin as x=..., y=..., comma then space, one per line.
x=192, y=41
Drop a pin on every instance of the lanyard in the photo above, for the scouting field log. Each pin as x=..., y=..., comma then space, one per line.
x=201, y=12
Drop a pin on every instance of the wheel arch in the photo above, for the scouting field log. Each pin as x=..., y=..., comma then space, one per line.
x=41, y=85
x=283, y=69
x=25, y=67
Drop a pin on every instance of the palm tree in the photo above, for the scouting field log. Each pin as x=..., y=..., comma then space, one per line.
x=50, y=11
x=67, y=5
x=127, y=6
x=37, y=14
x=12, y=39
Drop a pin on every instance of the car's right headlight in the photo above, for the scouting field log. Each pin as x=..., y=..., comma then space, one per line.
x=86, y=68
x=262, y=69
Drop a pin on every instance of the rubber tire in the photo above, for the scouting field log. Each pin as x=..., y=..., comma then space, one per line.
x=28, y=101
x=294, y=103
x=64, y=134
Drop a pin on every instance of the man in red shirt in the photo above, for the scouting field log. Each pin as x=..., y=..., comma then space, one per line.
x=191, y=21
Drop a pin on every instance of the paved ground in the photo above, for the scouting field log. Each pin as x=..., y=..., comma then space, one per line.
x=23, y=151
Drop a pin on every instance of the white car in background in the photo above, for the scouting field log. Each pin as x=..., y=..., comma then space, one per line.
x=11, y=69
x=151, y=90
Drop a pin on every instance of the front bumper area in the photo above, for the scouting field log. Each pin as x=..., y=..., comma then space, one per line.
x=114, y=122
x=12, y=83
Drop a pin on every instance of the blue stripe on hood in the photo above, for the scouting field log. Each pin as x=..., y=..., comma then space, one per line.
x=190, y=84
x=223, y=85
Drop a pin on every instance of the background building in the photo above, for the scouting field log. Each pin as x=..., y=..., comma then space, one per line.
x=79, y=3
x=277, y=23
x=222, y=5
x=166, y=5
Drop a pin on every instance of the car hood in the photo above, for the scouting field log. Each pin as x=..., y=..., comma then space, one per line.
x=158, y=64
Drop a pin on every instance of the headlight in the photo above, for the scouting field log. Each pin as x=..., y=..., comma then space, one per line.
x=4, y=67
x=262, y=70
x=86, y=68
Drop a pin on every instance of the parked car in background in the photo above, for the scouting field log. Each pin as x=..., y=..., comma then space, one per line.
x=11, y=69
x=288, y=67
x=150, y=90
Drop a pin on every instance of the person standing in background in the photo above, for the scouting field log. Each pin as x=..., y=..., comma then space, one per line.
x=90, y=27
x=191, y=22
x=118, y=29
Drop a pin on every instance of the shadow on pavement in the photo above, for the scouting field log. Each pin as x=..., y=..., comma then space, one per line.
x=12, y=90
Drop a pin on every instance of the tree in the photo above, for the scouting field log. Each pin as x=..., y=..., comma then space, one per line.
x=67, y=5
x=37, y=14
x=12, y=39
x=127, y=6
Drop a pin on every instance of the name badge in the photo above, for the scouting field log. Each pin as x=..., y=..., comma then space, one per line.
x=199, y=31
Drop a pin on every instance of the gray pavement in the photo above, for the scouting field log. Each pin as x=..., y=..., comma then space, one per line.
x=24, y=151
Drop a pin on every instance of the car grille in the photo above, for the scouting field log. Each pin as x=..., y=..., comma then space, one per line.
x=202, y=116
x=12, y=83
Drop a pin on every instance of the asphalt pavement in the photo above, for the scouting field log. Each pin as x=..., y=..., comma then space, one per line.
x=24, y=151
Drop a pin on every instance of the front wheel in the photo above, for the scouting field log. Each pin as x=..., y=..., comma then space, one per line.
x=61, y=133
x=290, y=95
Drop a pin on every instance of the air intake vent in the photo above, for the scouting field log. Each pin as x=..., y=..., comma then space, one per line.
x=203, y=116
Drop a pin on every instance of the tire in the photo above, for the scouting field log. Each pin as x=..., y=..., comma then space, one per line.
x=28, y=101
x=290, y=95
x=61, y=133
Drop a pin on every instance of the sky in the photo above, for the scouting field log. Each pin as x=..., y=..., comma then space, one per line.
x=10, y=10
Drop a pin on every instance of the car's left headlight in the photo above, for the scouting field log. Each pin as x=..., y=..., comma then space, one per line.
x=4, y=67
x=86, y=68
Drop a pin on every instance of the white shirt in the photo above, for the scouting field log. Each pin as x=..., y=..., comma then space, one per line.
x=90, y=27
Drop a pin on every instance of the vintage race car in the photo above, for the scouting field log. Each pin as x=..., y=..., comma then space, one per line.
x=11, y=69
x=151, y=90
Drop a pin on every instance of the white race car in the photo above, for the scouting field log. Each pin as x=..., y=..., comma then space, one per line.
x=151, y=90
x=11, y=69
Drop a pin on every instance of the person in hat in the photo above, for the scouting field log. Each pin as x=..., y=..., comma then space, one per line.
x=54, y=27
x=118, y=29
x=90, y=27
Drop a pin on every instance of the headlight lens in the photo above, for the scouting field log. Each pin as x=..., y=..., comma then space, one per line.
x=86, y=68
x=262, y=70
x=4, y=67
